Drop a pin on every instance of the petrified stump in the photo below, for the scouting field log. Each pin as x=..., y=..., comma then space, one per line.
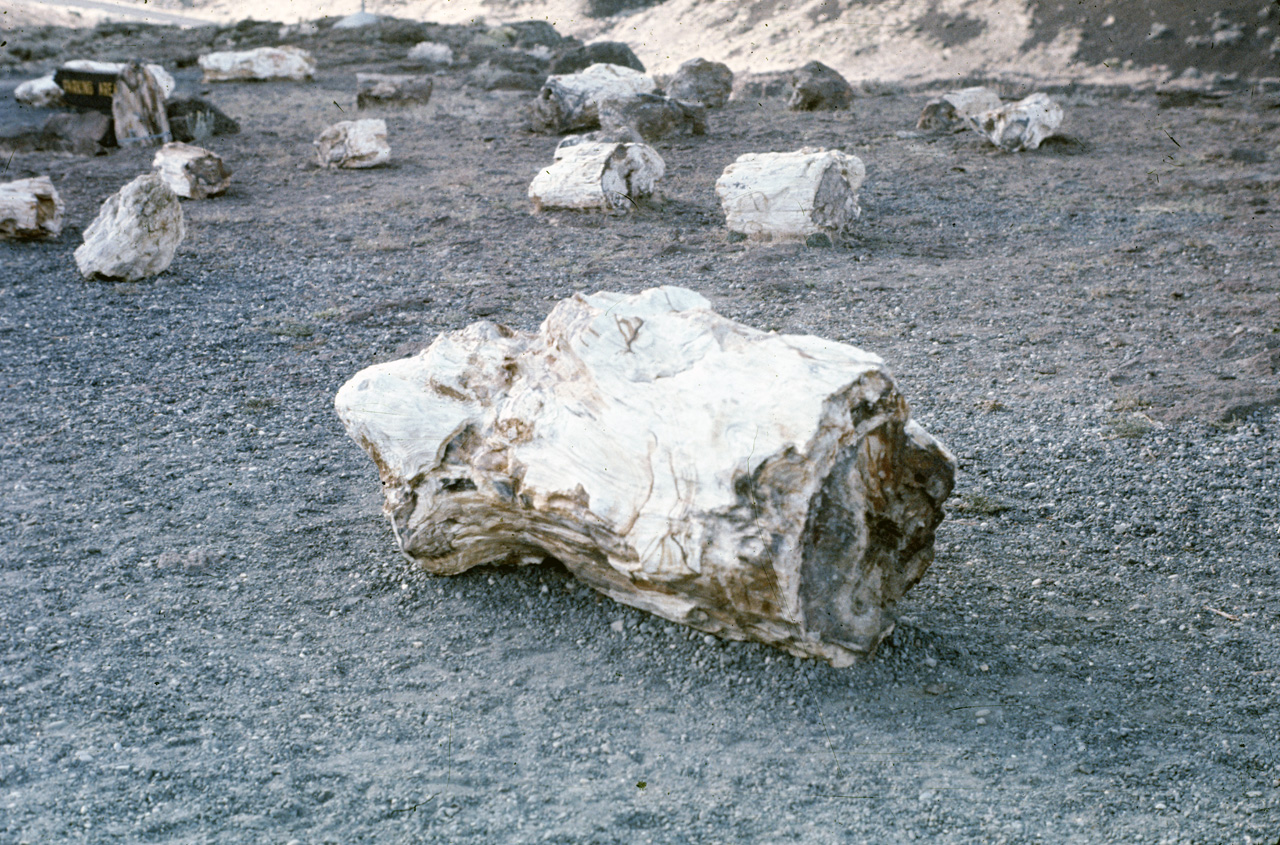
x=137, y=108
x=1022, y=125
x=753, y=485
x=788, y=196
x=598, y=176
x=386, y=89
x=30, y=208
x=951, y=112
x=817, y=87
x=652, y=117
x=572, y=101
x=262, y=63
x=708, y=84
x=135, y=234
x=354, y=144
x=191, y=172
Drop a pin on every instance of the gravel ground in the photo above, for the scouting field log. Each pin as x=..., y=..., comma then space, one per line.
x=206, y=634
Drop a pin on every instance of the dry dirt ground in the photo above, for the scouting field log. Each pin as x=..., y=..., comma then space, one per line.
x=206, y=634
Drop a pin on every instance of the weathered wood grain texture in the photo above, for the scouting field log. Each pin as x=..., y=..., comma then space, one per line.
x=789, y=196
x=749, y=484
x=600, y=176
x=137, y=108
x=136, y=233
x=191, y=172
x=30, y=208
x=951, y=112
x=353, y=144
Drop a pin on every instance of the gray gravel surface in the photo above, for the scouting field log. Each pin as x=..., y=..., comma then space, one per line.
x=206, y=634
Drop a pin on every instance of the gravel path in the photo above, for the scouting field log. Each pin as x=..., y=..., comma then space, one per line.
x=206, y=634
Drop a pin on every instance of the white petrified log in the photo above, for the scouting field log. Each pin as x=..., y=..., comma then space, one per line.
x=1022, y=125
x=41, y=92
x=598, y=176
x=572, y=100
x=354, y=144
x=135, y=234
x=951, y=111
x=787, y=196
x=262, y=63
x=137, y=108
x=753, y=485
x=30, y=208
x=191, y=172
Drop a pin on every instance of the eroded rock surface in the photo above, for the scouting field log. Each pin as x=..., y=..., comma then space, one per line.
x=951, y=112
x=790, y=196
x=708, y=84
x=1022, y=125
x=572, y=101
x=353, y=144
x=191, y=172
x=135, y=234
x=752, y=485
x=594, y=175
x=30, y=208
x=817, y=87
x=262, y=63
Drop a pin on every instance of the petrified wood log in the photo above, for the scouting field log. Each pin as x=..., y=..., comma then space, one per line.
x=787, y=196
x=30, y=208
x=1022, y=125
x=749, y=484
x=137, y=108
x=951, y=112
x=388, y=89
x=353, y=144
x=262, y=63
x=597, y=176
x=191, y=172
x=136, y=233
x=572, y=101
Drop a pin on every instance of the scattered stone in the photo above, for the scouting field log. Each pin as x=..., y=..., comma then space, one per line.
x=1158, y=31
x=572, y=101
x=137, y=108
x=499, y=74
x=40, y=93
x=816, y=87
x=652, y=116
x=598, y=176
x=263, y=63
x=951, y=112
x=629, y=439
x=598, y=53
x=431, y=52
x=193, y=119
x=708, y=84
x=81, y=133
x=29, y=209
x=135, y=234
x=305, y=29
x=384, y=89
x=790, y=196
x=354, y=144
x=191, y=172
x=1022, y=125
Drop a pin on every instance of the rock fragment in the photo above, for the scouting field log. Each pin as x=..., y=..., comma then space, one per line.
x=572, y=101
x=354, y=144
x=951, y=111
x=1020, y=126
x=30, y=209
x=708, y=84
x=601, y=176
x=791, y=196
x=432, y=53
x=136, y=233
x=817, y=87
x=652, y=117
x=629, y=438
x=262, y=63
x=40, y=93
x=191, y=172
x=385, y=89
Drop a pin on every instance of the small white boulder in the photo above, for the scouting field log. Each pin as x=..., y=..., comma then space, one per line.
x=1020, y=126
x=790, y=196
x=598, y=176
x=40, y=93
x=431, y=52
x=135, y=234
x=354, y=144
x=30, y=208
x=263, y=63
x=191, y=172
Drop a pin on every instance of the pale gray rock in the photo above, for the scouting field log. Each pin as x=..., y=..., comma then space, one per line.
x=951, y=111
x=601, y=176
x=708, y=84
x=136, y=233
x=30, y=209
x=191, y=172
x=262, y=63
x=354, y=144
x=652, y=117
x=386, y=89
x=431, y=52
x=572, y=101
x=41, y=92
x=630, y=439
x=817, y=87
x=791, y=196
x=1022, y=125
x=138, y=109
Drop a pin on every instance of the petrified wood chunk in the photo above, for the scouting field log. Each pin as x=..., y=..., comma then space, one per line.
x=41, y=92
x=708, y=84
x=262, y=63
x=572, y=101
x=30, y=208
x=817, y=87
x=191, y=172
x=135, y=234
x=652, y=116
x=787, y=196
x=753, y=485
x=137, y=108
x=597, y=176
x=1022, y=125
x=354, y=144
x=391, y=89
x=951, y=111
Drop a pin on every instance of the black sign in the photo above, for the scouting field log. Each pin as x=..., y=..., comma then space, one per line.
x=90, y=89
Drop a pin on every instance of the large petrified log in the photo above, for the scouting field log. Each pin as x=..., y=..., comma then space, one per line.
x=652, y=117
x=30, y=208
x=753, y=485
x=951, y=112
x=572, y=101
x=1020, y=126
x=597, y=176
x=191, y=172
x=262, y=63
x=788, y=196
x=136, y=232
